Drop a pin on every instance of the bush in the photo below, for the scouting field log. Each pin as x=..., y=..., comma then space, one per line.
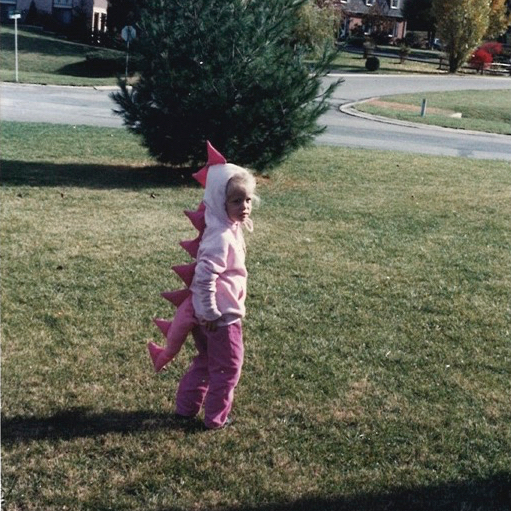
x=368, y=47
x=412, y=39
x=106, y=61
x=357, y=41
x=481, y=60
x=381, y=38
x=225, y=71
x=372, y=64
x=493, y=48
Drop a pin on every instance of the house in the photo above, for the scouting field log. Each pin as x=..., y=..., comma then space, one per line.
x=373, y=16
x=61, y=12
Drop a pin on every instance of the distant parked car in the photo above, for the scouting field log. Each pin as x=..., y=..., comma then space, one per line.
x=437, y=44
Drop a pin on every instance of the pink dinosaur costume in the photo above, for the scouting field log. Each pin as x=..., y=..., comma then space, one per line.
x=216, y=291
x=177, y=331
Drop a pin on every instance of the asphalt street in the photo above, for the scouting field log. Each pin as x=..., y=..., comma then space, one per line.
x=345, y=127
x=352, y=129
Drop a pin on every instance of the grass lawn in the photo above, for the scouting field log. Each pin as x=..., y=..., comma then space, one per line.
x=354, y=63
x=481, y=110
x=377, y=337
x=45, y=59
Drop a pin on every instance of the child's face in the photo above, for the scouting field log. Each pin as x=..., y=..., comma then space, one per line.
x=239, y=202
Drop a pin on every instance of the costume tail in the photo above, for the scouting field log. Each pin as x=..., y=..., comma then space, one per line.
x=176, y=331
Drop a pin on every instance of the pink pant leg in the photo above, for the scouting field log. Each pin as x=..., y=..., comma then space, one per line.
x=194, y=384
x=225, y=359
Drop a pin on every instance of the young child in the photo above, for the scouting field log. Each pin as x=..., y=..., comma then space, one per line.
x=218, y=292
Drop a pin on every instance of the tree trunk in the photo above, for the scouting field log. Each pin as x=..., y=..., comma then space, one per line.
x=453, y=64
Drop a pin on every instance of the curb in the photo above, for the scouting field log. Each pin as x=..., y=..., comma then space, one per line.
x=349, y=109
x=94, y=87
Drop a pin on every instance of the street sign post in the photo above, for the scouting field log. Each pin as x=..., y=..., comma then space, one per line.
x=128, y=33
x=15, y=15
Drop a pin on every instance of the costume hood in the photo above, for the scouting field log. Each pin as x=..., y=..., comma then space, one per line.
x=215, y=194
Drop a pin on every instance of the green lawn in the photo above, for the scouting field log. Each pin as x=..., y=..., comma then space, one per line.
x=46, y=59
x=488, y=111
x=377, y=337
x=353, y=63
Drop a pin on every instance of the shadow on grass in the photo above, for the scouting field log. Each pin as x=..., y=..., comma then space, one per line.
x=18, y=173
x=382, y=70
x=85, y=70
x=80, y=423
x=490, y=494
x=474, y=494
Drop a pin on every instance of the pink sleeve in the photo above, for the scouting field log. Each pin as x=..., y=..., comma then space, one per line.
x=211, y=262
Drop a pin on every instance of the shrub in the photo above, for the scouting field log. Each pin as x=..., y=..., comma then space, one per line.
x=493, y=48
x=412, y=39
x=481, y=60
x=225, y=71
x=403, y=51
x=356, y=40
x=106, y=61
x=372, y=64
x=368, y=47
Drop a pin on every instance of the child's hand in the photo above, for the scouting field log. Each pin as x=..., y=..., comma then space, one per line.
x=211, y=326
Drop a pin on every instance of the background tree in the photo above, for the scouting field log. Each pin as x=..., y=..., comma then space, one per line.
x=419, y=16
x=376, y=21
x=121, y=13
x=224, y=71
x=499, y=19
x=318, y=25
x=461, y=25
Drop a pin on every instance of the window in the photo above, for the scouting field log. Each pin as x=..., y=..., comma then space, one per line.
x=63, y=3
x=394, y=4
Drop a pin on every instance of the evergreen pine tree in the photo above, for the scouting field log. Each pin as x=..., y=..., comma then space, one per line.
x=227, y=71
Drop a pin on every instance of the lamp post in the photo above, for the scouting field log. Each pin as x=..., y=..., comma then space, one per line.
x=15, y=15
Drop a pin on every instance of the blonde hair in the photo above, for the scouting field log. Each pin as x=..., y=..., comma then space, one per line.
x=244, y=178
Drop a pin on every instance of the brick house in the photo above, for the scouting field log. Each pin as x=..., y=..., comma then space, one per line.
x=62, y=11
x=369, y=16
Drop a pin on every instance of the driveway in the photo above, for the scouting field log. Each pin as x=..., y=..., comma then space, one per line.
x=87, y=105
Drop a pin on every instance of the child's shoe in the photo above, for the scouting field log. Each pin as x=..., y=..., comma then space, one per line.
x=228, y=422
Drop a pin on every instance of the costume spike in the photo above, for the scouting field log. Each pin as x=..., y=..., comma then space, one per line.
x=191, y=246
x=185, y=272
x=214, y=158
x=163, y=325
x=201, y=176
x=176, y=333
x=198, y=217
x=184, y=321
x=176, y=297
x=158, y=356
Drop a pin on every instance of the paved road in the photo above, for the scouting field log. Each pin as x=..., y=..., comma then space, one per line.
x=345, y=129
x=82, y=105
x=59, y=105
